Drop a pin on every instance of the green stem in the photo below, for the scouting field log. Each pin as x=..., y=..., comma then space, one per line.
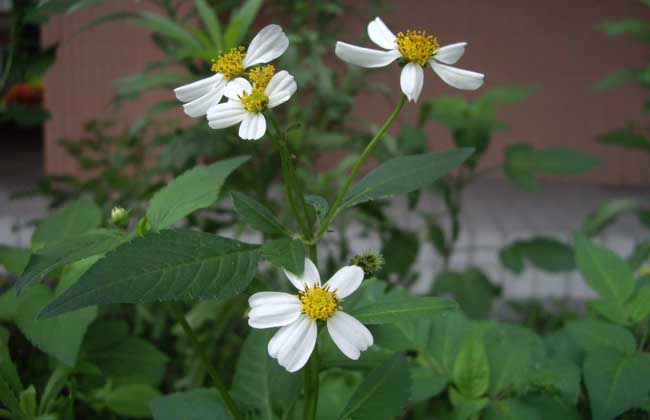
x=13, y=39
x=310, y=385
x=198, y=347
x=331, y=214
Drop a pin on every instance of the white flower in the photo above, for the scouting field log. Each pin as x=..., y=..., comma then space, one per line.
x=247, y=102
x=268, y=44
x=417, y=50
x=297, y=315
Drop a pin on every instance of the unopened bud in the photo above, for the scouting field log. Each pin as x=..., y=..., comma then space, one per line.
x=370, y=261
x=120, y=217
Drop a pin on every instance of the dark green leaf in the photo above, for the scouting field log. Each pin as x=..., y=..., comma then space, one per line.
x=563, y=161
x=320, y=204
x=197, y=404
x=608, y=213
x=404, y=174
x=638, y=306
x=393, y=309
x=168, y=28
x=195, y=189
x=472, y=290
x=511, y=409
x=131, y=400
x=240, y=22
x=625, y=138
x=170, y=265
x=545, y=253
x=285, y=253
x=425, y=384
x=14, y=259
x=256, y=215
x=210, y=22
x=593, y=335
x=77, y=218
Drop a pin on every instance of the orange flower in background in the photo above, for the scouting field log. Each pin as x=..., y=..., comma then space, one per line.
x=24, y=93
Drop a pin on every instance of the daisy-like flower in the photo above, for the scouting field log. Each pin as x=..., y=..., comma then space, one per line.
x=269, y=44
x=247, y=102
x=297, y=315
x=416, y=50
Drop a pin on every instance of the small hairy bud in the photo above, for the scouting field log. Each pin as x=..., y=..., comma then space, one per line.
x=120, y=217
x=370, y=261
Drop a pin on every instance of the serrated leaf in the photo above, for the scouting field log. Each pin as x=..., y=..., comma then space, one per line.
x=286, y=253
x=170, y=265
x=75, y=219
x=607, y=273
x=383, y=394
x=404, y=174
x=257, y=215
x=471, y=372
x=197, y=404
x=394, y=309
x=194, y=189
x=260, y=383
x=73, y=249
x=616, y=382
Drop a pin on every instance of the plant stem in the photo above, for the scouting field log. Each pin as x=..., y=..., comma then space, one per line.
x=13, y=35
x=198, y=347
x=333, y=211
x=310, y=385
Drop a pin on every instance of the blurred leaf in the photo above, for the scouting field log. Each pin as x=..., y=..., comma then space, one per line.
x=507, y=94
x=240, y=22
x=14, y=259
x=563, y=161
x=194, y=189
x=625, y=138
x=594, y=335
x=638, y=306
x=257, y=215
x=557, y=376
x=616, y=382
x=472, y=290
x=640, y=255
x=260, y=383
x=464, y=407
x=211, y=23
x=608, y=213
x=197, y=404
x=170, y=265
x=320, y=205
x=399, y=249
x=636, y=27
x=131, y=400
x=471, y=370
x=394, y=309
x=425, y=384
x=545, y=253
x=383, y=394
x=607, y=273
x=404, y=174
x=77, y=218
x=8, y=371
x=286, y=253
x=618, y=78
x=167, y=27
x=511, y=409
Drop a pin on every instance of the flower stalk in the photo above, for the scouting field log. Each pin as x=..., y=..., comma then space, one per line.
x=310, y=386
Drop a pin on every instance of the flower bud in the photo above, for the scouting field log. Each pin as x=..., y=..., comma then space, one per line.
x=120, y=217
x=370, y=261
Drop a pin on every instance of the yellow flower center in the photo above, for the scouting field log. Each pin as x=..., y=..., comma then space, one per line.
x=255, y=101
x=261, y=75
x=230, y=64
x=318, y=302
x=417, y=46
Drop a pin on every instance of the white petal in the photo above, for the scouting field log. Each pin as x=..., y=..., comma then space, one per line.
x=365, y=57
x=279, y=339
x=226, y=114
x=310, y=276
x=411, y=81
x=276, y=315
x=278, y=98
x=381, y=35
x=236, y=87
x=271, y=298
x=458, y=78
x=268, y=44
x=280, y=81
x=349, y=335
x=297, y=346
x=197, y=89
x=200, y=106
x=345, y=281
x=253, y=126
x=449, y=54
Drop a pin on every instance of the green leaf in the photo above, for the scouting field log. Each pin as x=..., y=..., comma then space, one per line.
x=211, y=23
x=8, y=371
x=73, y=249
x=59, y=337
x=9, y=400
x=511, y=409
x=619, y=78
x=638, y=306
x=260, y=383
x=640, y=255
x=194, y=189
x=14, y=259
x=129, y=361
x=75, y=219
x=166, y=27
x=240, y=22
x=383, y=394
x=616, y=382
x=507, y=94
x=472, y=290
x=607, y=273
x=393, y=309
x=286, y=253
x=471, y=370
x=610, y=310
x=557, y=376
x=625, y=138
x=197, y=404
x=256, y=215
x=8, y=305
x=131, y=400
x=512, y=351
x=591, y=335
x=545, y=253
x=170, y=265
x=320, y=204
x=563, y=161
x=425, y=384
x=464, y=407
x=404, y=174
x=608, y=213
